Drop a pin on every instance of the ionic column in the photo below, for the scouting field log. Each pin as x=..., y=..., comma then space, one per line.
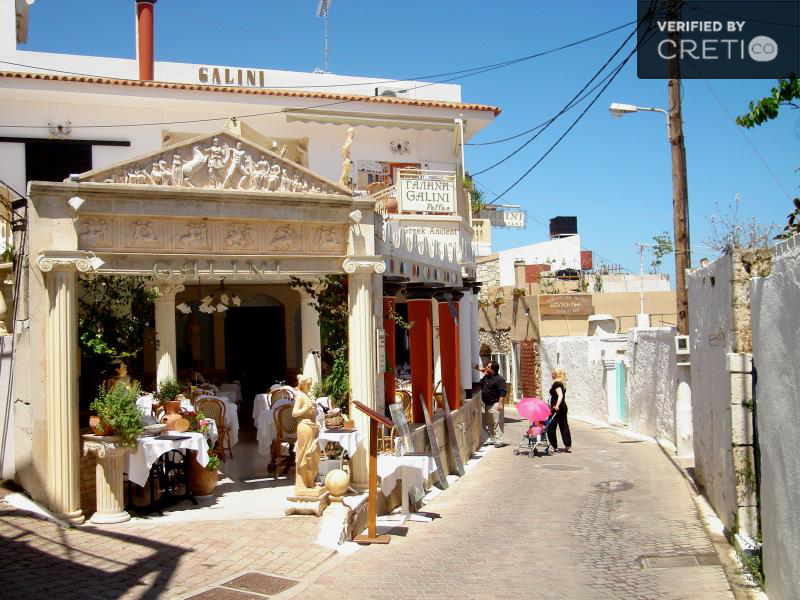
x=391, y=287
x=361, y=353
x=108, y=478
x=421, y=339
x=310, y=338
x=450, y=347
x=167, y=352
x=63, y=480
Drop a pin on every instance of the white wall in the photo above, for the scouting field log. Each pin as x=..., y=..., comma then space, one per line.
x=711, y=331
x=7, y=456
x=627, y=282
x=564, y=252
x=651, y=382
x=580, y=357
x=775, y=302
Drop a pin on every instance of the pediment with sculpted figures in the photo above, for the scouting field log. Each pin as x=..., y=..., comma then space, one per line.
x=218, y=161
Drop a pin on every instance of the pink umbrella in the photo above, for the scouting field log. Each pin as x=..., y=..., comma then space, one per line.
x=533, y=409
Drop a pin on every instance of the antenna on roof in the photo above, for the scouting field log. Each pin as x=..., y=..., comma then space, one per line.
x=322, y=11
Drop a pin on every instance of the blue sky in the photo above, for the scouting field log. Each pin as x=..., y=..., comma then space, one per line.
x=614, y=174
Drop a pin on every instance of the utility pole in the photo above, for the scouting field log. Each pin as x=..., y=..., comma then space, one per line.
x=680, y=195
x=641, y=276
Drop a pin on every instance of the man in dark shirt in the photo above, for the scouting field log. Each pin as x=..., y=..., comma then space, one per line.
x=493, y=392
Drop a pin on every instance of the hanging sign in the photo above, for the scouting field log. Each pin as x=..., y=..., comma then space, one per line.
x=380, y=338
x=513, y=218
x=428, y=195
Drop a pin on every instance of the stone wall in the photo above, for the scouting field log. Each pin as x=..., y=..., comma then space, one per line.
x=651, y=382
x=580, y=357
x=775, y=302
x=488, y=271
x=498, y=341
x=711, y=328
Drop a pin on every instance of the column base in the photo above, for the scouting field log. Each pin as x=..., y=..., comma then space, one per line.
x=75, y=517
x=109, y=518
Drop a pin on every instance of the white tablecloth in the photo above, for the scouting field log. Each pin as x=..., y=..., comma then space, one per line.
x=265, y=422
x=415, y=469
x=235, y=389
x=349, y=441
x=139, y=462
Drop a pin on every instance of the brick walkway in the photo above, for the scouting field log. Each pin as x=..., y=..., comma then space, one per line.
x=40, y=559
x=570, y=526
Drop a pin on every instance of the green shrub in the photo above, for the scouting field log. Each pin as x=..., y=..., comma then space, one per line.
x=117, y=409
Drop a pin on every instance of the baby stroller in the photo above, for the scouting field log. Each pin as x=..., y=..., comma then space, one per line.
x=534, y=440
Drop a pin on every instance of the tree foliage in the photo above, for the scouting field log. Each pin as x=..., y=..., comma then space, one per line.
x=784, y=94
x=662, y=246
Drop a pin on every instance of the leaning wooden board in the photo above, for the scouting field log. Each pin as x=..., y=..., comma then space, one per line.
x=455, y=452
x=434, y=446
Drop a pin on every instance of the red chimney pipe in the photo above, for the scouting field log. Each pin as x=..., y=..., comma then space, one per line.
x=144, y=38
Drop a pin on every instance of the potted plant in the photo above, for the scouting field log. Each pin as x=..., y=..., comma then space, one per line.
x=117, y=413
x=203, y=480
x=169, y=398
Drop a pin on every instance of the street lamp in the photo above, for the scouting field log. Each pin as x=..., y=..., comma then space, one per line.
x=619, y=110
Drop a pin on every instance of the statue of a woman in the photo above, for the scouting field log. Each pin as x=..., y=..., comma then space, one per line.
x=345, y=178
x=307, y=461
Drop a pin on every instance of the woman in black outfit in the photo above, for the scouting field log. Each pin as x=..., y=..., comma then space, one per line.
x=558, y=395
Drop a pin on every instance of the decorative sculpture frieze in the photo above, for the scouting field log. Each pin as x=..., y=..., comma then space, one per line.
x=194, y=235
x=95, y=232
x=143, y=233
x=239, y=237
x=286, y=237
x=225, y=163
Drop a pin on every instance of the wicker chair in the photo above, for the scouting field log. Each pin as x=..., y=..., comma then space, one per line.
x=386, y=440
x=285, y=431
x=214, y=408
x=408, y=406
x=276, y=397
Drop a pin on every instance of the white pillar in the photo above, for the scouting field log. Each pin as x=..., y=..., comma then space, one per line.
x=437, y=350
x=476, y=342
x=361, y=337
x=108, y=478
x=166, y=352
x=310, y=338
x=63, y=492
x=465, y=326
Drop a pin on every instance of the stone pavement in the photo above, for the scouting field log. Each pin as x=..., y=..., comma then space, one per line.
x=607, y=521
x=612, y=520
x=133, y=560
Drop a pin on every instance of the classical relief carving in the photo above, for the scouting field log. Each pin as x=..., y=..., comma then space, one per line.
x=143, y=233
x=224, y=163
x=194, y=235
x=328, y=239
x=95, y=232
x=239, y=237
x=285, y=238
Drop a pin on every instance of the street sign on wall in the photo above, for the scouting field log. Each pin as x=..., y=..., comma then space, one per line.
x=565, y=304
x=511, y=217
x=427, y=194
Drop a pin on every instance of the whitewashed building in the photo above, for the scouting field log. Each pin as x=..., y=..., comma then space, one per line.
x=191, y=174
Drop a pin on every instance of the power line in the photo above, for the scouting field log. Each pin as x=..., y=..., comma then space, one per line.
x=562, y=111
x=375, y=82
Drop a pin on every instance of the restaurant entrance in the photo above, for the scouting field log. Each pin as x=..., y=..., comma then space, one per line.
x=255, y=347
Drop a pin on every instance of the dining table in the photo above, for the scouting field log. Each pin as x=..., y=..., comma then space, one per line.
x=231, y=415
x=413, y=470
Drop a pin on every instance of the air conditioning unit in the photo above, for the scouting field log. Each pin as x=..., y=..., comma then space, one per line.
x=393, y=92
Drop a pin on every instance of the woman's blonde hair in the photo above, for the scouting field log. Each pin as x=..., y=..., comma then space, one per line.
x=559, y=375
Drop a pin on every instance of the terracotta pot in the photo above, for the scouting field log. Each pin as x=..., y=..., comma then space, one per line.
x=98, y=427
x=391, y=205
x=202, y=481
x=171, y=414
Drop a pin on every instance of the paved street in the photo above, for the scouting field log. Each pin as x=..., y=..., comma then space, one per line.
x=607, y=521
x=570, y=526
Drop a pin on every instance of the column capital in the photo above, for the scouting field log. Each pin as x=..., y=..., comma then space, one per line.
x=364, y=264
x=64, y=261
x=167, y=291
x=102, y=445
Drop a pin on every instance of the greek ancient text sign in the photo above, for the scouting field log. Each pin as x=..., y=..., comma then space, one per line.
x=565, y=304
x=427, y=195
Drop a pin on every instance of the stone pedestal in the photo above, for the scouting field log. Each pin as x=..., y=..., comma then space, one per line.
x=307, y=505
x=108, y=478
